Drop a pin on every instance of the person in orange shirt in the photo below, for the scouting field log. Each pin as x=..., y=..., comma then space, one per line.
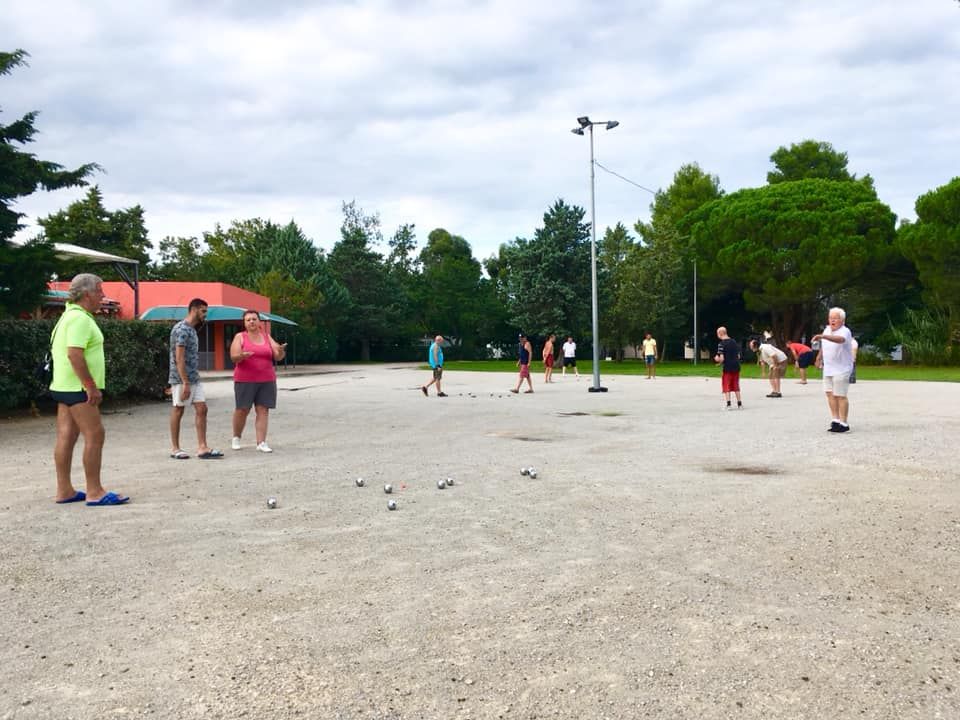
x=803, y=357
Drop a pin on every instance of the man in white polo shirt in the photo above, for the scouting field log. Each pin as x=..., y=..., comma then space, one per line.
x=836, y=359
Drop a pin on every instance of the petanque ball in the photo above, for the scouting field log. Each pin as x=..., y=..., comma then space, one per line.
x=532, y=473
x=524, y=471
x=388, y=489
x=441, y=485
x=449, y=482
x=391, y=504
x=360, y=482
x=272, y=503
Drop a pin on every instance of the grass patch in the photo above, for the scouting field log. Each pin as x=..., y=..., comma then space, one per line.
x=707, y=369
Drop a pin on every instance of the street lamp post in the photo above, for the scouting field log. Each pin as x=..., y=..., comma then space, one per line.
x=585, y=122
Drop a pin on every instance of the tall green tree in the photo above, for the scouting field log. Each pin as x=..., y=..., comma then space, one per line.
x=545, y=282
x=89, y=224
x=456, y=299
x=617, y=319
x=659, y=294
x=810, y=159
x=374, y=313
x=932, y=244
x=790, y=247
x=24, y=271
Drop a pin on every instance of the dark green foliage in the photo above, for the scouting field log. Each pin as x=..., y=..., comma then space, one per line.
x=136, y=356
x=373, y=316
x=792, y=246
x=89, y=224
x=25, y=271
x=545, y=282
x=933, y=245
x=811, y=159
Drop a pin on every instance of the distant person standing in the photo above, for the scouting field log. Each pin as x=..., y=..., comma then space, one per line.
x=776, y=359
x=728, y=354
x=650, y=355
x=570, y=356
x=803, y=357
x=836, y=359
x=79, y=377
x=185, y=385
x=548, y=359
x=254, y=353
x=435, y=358
x=525, y=351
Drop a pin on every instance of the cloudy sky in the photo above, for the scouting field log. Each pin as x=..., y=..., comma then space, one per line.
x=458, y=114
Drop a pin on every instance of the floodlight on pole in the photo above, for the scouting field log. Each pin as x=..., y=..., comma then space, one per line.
x=585, y=123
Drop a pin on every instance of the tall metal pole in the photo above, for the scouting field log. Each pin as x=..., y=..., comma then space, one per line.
x=593, y=275
x=696, y=335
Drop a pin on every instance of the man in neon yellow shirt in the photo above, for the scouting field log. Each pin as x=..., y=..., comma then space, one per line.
x=79, y=376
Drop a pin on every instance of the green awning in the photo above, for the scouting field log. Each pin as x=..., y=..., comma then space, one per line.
x=215, y=313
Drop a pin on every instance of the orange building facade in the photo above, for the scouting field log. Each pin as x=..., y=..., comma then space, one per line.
x=216, y=337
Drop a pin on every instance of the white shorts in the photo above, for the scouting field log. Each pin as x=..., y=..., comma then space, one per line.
x=837, y=384
x=196, y=394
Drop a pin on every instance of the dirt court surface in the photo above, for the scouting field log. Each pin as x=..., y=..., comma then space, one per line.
x=671, y=559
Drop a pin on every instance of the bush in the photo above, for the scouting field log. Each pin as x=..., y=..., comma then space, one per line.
x=925, y=337
x=136, y=356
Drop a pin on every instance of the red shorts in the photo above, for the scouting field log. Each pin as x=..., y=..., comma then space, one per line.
x=525, y=371
x=730, y=381
x=548, y=361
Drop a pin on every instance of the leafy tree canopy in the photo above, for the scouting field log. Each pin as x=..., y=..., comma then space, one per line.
x=932, y=243
x=545, y=282
x=24, y=271
x=792, y=245
x=810, y=159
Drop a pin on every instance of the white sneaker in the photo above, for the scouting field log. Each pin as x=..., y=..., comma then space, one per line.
x=263, y=447
x=235, y=444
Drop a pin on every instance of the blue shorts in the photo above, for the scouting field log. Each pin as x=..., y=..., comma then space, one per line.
x=69, y=397
x=651, y=359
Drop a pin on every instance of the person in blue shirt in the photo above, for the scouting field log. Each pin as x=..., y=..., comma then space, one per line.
x=435, y=357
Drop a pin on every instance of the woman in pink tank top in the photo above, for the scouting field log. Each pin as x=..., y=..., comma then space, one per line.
x=253, y=352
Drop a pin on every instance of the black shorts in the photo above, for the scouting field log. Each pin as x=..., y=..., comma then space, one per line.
x=248, y=394
x=569, y=362
x=71, y=397
x=806, y=359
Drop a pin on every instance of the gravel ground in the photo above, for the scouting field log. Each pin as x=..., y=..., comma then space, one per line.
x=671, y=559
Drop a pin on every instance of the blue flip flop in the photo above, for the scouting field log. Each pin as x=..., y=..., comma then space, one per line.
x=210, y=455
x=109, y=499
x=80, y=496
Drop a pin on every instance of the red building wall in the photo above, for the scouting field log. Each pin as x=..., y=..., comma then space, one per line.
x=155, y=292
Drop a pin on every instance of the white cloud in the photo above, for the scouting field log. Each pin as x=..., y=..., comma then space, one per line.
x=458, y=114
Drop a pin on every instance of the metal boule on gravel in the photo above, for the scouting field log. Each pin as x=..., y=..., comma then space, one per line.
x=441, y=484
x=524, y=471
x=449, y=482
x=360, y=482
x=532, y=473
x=388, y=489
x=272, y=503
x=391, y=504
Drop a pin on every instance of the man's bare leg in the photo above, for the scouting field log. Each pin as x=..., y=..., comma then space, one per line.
x=67, y=434
x=87, y=419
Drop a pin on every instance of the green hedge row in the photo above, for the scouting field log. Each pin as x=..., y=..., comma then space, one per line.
x=136, y=352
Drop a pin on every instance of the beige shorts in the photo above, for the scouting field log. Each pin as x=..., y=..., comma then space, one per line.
x=196, y=394
x=837, y=384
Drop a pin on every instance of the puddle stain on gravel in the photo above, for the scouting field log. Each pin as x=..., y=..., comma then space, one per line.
x=744, y=470
x=522, y=438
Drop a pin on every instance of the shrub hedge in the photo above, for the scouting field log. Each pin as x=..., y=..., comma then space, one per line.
x=136, y=354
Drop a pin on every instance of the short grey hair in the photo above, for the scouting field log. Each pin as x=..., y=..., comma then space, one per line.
x=83, y=284
x=839, y=311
